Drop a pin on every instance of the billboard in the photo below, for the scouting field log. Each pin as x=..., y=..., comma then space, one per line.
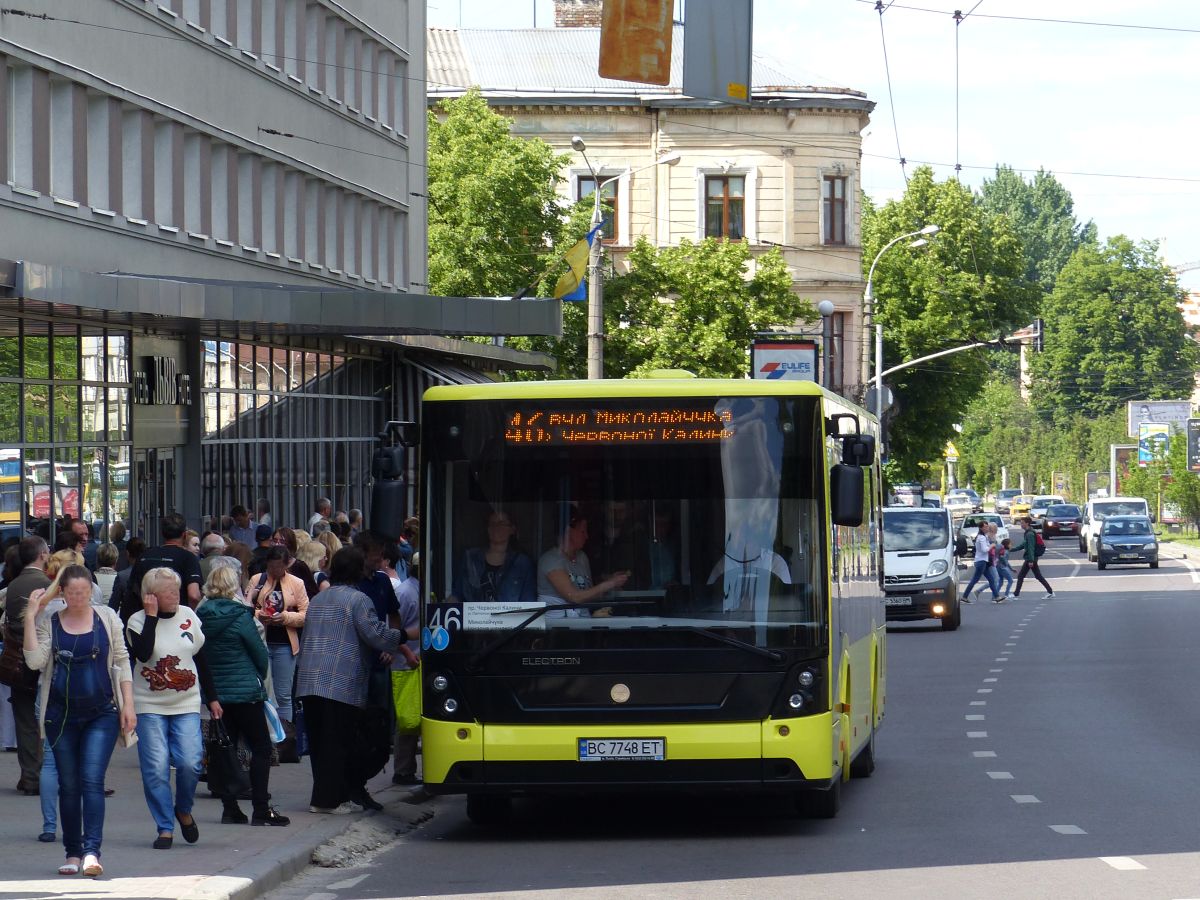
x=635, y=40
x=1158, y=412
x=717, y=50
x=1153, y=441
x=1097, y=484
x=1121, y=460
x=1193, y=445
x=787, y=360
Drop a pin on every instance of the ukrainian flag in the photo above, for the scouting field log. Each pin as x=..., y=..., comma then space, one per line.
x=572, y=286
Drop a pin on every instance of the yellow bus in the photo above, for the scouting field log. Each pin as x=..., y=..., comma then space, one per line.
x=10, y=487
x=649, y=585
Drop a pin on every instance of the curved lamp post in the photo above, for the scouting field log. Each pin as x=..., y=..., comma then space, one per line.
x=595, y=335
x=869, y=315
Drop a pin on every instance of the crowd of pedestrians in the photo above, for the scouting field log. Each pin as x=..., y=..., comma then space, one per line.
x=123, y=644
x=993, y=566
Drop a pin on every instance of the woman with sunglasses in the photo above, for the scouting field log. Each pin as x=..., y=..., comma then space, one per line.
x=86, y=679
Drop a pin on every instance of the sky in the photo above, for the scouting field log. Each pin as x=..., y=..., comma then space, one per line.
x=1110, y=111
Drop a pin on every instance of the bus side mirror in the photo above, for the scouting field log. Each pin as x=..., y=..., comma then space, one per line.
x=846, y=495
x=858, y=449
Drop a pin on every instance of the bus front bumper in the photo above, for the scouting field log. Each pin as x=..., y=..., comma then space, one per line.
x=774, y=755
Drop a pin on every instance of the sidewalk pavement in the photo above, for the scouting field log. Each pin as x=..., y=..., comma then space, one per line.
x=229, y=861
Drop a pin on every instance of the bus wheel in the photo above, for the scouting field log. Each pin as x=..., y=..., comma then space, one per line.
x=864, y=763
x=489, y=809
x=820, y=804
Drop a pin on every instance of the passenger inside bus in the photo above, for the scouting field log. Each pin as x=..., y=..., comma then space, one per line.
x=497, y=572
x=564, y=573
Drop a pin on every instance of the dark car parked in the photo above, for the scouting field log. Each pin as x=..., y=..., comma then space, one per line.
x=1125, y=540
x=1062, y=519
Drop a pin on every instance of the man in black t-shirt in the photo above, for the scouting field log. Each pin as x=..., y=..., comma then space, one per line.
x=173, y=555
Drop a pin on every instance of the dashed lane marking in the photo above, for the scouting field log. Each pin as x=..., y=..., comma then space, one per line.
x=1067, y=829
x=979, y=703
x=990, y=680
x=1000, y=776
x=1024, y=798
x=347, y=884
x=976, y=734
x=984, y=754
x=1010, y=645
x=996, y=670
x=1001, y=659
x=1122, y=863
x=975, y=718
x=983, y=690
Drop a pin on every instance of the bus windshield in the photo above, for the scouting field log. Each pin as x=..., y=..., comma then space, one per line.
x=699, y=514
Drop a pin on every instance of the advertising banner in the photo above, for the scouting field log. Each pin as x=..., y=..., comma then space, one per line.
x=1158, y=412
x=1193, y=445
x=1153, y=440
x=1121, y=459
x=1098, y=484
x=787, y=360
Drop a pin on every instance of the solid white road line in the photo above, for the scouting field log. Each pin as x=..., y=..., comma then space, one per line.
x=1000, y=776
x=1067, y=829
x=1024, y=798
x=1122, y=863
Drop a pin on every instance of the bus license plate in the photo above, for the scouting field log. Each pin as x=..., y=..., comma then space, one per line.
x=601, y=749
x=899, y=601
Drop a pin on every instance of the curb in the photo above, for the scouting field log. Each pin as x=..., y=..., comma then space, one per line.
x=271, y=870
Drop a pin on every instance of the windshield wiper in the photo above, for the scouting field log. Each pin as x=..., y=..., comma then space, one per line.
x=773, y=655
x=475, y=661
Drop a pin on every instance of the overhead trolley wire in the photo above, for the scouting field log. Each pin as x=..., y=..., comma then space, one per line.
x=881, y=9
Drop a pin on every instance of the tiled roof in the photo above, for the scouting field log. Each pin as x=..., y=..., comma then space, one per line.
x=547, y=61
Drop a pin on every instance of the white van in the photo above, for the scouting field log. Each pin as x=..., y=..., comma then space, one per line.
x=1097, y=510
x=920, y=575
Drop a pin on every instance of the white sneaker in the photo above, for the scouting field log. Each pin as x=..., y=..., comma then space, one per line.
x=342, y=809
x=1049, y=596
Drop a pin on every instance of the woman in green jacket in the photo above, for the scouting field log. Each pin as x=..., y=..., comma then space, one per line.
x=237, y=658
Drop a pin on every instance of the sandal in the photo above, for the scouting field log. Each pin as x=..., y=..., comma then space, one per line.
x=91, y=866
x=69, y=868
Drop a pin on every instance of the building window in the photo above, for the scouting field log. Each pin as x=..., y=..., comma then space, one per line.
x=833, y=203
x=725, y=206
x=608, y=205
x=837, y=349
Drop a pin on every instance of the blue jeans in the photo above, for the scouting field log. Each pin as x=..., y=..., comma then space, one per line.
x=81, y=754
x=1005, y=579
x=48, y=789
x=283, y=672
x=163, y=742
x=982, y=570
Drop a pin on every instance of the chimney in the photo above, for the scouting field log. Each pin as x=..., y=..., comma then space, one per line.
x=577, y=13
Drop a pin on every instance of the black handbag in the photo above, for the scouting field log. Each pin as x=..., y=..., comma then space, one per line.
x=226, y=776
x=13, y=671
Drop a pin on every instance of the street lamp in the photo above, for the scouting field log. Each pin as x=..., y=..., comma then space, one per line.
x=868, y=315
x=595, y=336
x=825, y=308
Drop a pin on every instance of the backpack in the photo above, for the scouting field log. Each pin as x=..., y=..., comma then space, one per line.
x=1039, y=545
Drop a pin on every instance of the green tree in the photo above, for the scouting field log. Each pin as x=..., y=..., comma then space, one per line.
x=968, y=283
x=696, y=307
x=1182, y=489
x=495, y=217
x=1043, y=213
x=1114, y=332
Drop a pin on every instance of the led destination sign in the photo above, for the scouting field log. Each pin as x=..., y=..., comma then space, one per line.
x=643, y=425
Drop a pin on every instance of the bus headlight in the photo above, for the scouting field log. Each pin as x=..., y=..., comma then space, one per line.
x=806, y=678
x=937, y=567
x=450, y=706
x=440, y=683
x=796, y=701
